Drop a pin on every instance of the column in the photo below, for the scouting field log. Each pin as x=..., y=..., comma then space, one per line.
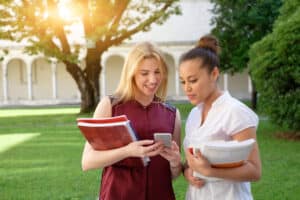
x=5, y=92
x=102, y=77
x=29, y=78
x=176, y=62
x=54, y=82
x=225, y=76
x=249, y=85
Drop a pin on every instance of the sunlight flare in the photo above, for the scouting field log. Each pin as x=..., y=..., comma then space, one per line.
x=65, y=10
x=8, y=141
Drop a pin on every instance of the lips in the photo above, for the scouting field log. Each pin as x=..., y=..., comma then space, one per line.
x=190, y=96
x=151, y=88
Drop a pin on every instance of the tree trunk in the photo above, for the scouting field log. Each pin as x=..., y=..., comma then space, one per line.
x=253, y=97
x=87, y=92
x=92, y=72
x=87, y=80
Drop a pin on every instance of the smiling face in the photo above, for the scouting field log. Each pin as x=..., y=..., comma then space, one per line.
x=197, y=82
x=147, y=78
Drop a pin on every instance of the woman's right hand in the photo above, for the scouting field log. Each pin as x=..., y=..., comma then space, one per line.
x=197, y=182
x=144, y=148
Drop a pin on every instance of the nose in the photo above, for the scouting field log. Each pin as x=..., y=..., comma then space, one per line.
x=152, y=78
x=187, y=88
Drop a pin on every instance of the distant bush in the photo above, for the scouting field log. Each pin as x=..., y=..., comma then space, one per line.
x=275, y=68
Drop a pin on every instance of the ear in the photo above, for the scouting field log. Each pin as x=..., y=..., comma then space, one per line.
x=215, y=73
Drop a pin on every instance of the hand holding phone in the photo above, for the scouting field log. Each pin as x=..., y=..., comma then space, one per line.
x=166, y=138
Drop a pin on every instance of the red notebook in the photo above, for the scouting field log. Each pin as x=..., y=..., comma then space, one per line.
x=110, y=133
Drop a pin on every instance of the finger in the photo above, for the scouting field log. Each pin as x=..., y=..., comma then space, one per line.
x=144, y=142
x=198, y=183
x=153, y=147
x=159, y=142
x=188, y=155
x=165, y=155
x=155, y=151
x=198, y=153
x=175, y=146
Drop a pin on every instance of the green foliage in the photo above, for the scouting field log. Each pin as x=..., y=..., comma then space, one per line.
x=275, y=68
x=79, y=31
x=238, y=24
x=104, y=22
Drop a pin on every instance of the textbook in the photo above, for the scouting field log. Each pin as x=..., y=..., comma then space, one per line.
x=110, y=133
x=224, y=154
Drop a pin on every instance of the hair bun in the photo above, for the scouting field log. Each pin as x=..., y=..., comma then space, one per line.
x=209, y=42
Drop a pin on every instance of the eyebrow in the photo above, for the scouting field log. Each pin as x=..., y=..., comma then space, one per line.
x=191, y=76
x=147, y=70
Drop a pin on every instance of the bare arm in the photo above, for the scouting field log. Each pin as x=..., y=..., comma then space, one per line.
x=92, y=159
x=173, y=154
x=250, y=171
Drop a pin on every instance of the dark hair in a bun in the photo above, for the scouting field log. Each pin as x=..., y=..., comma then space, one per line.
x=209, y=42
x=207, y=50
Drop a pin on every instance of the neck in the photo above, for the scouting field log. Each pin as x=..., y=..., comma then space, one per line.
x=212, y=97
x=144, y=100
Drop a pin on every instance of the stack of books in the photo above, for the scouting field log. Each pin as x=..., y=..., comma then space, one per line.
x=224, y=154
x=109, y=133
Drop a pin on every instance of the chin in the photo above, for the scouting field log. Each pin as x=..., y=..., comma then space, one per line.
x=195, y=101
x=149, y=94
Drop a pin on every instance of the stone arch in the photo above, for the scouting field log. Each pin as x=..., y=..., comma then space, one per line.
x=238, y=85
x=66, y=85
x=113, y=68
x=171, y=92
x=16, y=80
x=1, y=83
x=41, y=79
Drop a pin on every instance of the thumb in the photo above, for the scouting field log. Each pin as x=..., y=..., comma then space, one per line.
x=175, y=146
x=198, y=153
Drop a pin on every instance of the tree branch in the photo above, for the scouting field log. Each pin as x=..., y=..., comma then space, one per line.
x=141, y=26
x=59, y=28
x=121, y=7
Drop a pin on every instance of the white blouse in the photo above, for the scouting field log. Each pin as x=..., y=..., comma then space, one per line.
x=226, y=117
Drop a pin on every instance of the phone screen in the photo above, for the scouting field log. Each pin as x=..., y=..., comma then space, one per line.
x=166, y=138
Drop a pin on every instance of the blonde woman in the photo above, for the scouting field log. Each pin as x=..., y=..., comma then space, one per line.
x=140, y=96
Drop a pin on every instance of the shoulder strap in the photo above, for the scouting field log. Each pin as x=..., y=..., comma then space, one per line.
x=113, y=100
x=169, y=106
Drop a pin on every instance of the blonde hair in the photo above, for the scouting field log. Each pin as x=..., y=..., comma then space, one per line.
x=127, y=87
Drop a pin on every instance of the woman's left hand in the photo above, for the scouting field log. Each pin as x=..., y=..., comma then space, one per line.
x=172, y=154
x=198, y=163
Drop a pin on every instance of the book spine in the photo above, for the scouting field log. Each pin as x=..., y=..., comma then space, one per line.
x=135, y=137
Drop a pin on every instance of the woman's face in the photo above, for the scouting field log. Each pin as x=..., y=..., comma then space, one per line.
x=197, y=83
x=148, y=77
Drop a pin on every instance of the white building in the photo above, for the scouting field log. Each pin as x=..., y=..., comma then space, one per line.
x=31, y=80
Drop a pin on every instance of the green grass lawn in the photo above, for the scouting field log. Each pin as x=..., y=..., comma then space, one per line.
x=45, y=160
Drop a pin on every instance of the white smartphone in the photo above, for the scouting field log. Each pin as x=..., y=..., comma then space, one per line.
x=166, y=138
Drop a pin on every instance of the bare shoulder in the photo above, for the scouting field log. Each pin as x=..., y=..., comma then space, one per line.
x=103, y=108
x=178, y=118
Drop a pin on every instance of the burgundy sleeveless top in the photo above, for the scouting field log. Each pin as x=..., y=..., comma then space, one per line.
x=121, y=181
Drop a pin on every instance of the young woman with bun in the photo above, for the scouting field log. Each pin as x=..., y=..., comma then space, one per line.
x=216, y=116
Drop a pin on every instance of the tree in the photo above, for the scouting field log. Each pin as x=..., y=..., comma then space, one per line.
x=47, y=29
x=275, y=68
x=238, y=24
